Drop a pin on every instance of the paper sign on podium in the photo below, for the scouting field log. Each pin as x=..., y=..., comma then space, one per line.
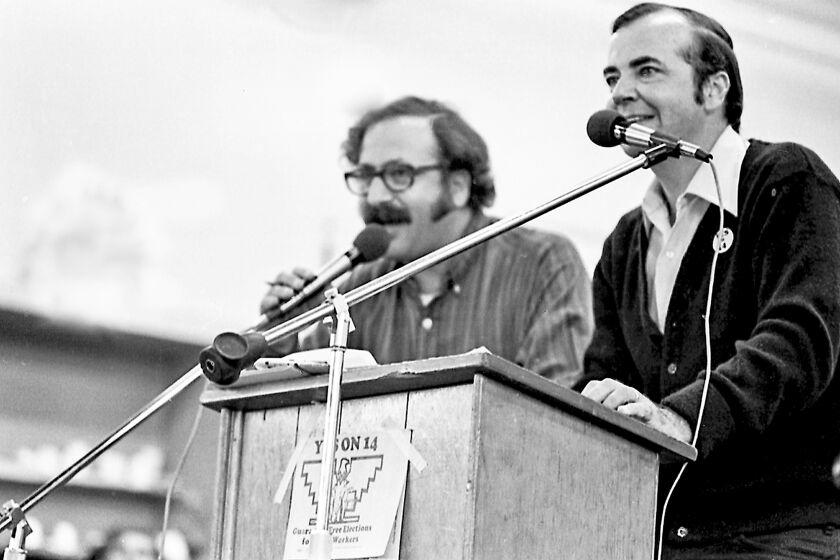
x=368, y=488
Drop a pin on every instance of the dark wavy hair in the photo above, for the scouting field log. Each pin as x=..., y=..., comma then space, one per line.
x=712, y=51
x=461, y=147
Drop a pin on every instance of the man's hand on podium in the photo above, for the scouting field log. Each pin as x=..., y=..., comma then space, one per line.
x=631, y=402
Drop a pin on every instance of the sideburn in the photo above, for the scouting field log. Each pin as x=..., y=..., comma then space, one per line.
x=442, y=206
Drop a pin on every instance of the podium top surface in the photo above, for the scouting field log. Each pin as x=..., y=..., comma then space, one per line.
x=282, y=387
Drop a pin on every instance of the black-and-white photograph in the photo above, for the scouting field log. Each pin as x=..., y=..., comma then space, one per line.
x=558, y=280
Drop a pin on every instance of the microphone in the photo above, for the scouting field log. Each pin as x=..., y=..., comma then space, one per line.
x=608, y=128
x=370, y=244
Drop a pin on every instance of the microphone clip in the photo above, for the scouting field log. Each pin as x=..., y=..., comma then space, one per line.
x=658, y=154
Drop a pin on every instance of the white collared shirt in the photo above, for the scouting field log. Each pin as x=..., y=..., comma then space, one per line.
x=668, y=243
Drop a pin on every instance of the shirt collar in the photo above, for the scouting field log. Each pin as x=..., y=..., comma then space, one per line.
x=728, y=155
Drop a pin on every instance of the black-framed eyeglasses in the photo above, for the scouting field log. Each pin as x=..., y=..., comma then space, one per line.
x=396, y=176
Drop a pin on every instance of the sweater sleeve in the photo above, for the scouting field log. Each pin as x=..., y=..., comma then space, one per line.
x=792, y=221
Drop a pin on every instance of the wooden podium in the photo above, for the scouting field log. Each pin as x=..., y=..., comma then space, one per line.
x=518, y=467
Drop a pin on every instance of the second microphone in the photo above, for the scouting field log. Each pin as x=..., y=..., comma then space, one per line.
x=370, y=244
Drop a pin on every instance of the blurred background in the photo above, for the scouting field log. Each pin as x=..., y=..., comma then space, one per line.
x=160, y=160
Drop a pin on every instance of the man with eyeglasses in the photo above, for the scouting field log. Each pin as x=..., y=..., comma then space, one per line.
x=421, y=171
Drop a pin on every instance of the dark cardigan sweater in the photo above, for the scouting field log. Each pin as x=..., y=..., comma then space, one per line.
x=771, y=426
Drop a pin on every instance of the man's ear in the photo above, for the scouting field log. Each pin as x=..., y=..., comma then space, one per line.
x=460, y=187
x=714, y=90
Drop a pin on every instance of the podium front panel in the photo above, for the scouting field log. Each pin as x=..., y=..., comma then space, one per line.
x=508, y=476
x=550, y=486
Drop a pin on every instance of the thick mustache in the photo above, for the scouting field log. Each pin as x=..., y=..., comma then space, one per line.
x=385, y=214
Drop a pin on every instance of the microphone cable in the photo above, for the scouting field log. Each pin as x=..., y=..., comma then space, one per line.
x=708, y=340
x=175, y=474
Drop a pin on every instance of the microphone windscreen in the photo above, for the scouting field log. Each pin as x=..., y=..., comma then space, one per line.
x=601, y=125
x=372, y=242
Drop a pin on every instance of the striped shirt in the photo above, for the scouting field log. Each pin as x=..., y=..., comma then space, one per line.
x=524, y=295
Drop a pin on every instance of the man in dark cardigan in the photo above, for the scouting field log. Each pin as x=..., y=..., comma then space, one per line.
x=761, y=487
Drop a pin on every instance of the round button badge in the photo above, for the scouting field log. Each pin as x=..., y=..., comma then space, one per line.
x=723, y=240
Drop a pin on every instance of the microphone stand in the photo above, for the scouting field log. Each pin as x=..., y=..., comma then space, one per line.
x=232, y=352
x=341, y=325
x=15, y=550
